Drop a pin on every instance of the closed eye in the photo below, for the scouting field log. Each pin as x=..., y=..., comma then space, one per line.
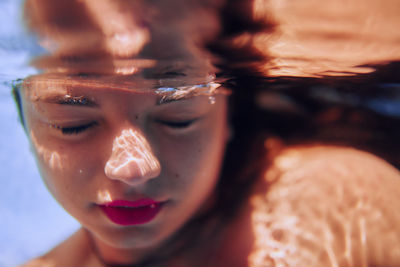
x=177, y=124
x=74, y=129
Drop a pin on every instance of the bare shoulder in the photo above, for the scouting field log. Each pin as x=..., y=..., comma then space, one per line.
x=327, y=206
x=340, y=166
x=72, y=252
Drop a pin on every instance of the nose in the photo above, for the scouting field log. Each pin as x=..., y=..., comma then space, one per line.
x=132, y=160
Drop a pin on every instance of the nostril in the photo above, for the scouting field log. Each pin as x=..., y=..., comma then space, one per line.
x=132, y=159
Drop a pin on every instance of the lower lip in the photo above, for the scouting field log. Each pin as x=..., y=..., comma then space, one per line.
x=126, y=215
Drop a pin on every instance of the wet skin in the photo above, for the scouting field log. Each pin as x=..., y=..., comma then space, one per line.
x=315, y=206
x=75, y=147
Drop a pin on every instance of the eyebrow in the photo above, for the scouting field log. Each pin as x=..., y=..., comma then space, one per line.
x=70, y=100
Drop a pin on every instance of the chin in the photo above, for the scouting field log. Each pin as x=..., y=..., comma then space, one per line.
x=133, y=237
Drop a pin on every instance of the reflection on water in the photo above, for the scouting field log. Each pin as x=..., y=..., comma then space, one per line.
x=124, y=36
x=335, y=38
x=134, y=45
x=117, y=31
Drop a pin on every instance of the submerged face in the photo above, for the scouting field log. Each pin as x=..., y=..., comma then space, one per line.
x=130, y=170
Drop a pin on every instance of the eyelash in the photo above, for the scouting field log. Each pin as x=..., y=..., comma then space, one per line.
x=81, y=128
x=177, y=124
x=75, y=129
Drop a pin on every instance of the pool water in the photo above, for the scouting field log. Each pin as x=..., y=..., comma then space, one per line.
x=31, y=222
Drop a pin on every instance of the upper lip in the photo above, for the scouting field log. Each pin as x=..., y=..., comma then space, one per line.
x=132, y=204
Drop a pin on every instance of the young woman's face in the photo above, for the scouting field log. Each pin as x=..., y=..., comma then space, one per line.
x=130, y=171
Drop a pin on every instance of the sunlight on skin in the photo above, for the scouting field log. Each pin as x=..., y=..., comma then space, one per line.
x=103, y=196
x=325, y=207
x=123, y=36
x=132, y=159
x=52, y=157
x=126, y=70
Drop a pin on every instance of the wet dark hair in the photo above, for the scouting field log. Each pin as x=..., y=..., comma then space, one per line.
x=327, y=110
x=245, y=156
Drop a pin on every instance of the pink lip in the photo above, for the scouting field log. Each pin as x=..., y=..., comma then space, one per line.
x=124, y=212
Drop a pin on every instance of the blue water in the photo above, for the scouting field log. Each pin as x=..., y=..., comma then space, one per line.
x=31, y=222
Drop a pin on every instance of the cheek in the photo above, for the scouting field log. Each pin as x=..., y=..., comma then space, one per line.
x=194, y=161
x=66, y=170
